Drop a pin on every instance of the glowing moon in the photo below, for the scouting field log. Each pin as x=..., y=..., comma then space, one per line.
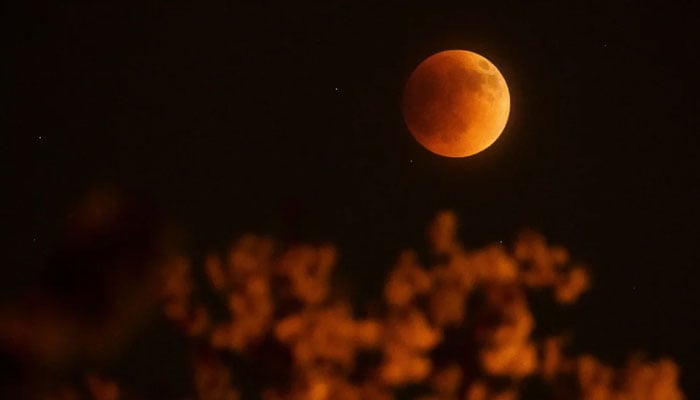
x=456, y=103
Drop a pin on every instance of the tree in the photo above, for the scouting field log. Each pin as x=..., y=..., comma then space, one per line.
x=263, y=321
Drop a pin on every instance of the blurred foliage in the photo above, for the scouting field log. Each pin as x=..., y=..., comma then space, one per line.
x=263, y=321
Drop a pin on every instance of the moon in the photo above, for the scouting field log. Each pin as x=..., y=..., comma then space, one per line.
x=456, y=103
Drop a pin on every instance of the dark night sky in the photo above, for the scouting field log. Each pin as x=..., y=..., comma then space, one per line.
x=228, y=117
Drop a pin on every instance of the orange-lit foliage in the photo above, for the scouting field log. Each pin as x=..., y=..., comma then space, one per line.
x=455, y=324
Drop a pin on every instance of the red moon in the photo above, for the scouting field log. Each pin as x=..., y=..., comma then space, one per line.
x=456, y=103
